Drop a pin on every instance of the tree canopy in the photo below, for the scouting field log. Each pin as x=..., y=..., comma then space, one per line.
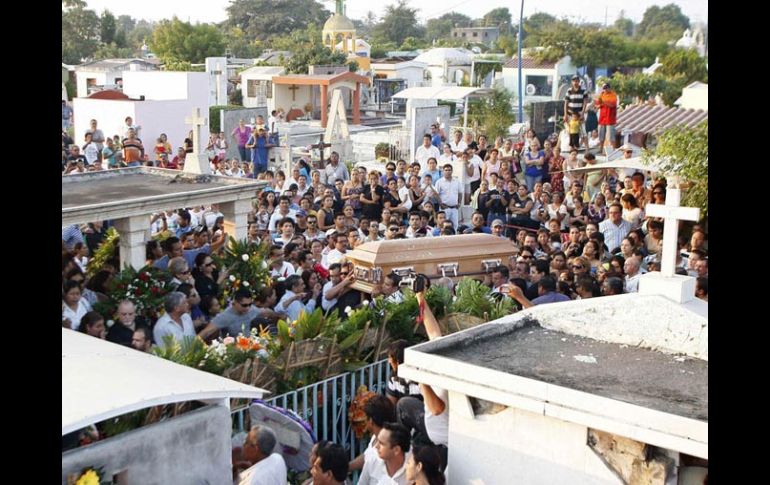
x=398, y=23
x=79, y=32
x=264, y=19
x=176, y=41
x=667, y=22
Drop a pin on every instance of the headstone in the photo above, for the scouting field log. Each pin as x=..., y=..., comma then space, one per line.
x=216, y=67
x=667, y=283
x=337, y=131
x=197, y=162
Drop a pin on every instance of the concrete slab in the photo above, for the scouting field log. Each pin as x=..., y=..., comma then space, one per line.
x=142, y=190
x=647, y=378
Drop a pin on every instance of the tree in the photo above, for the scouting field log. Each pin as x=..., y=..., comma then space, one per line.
x=398, y=23
x=307, y=49
x=666, y=23
x=499, y=17
x=623, y=25
x=505, y=43
x=113, y=51
x=239, y=45
x=534, y=25
x=177, y=41
x=140, y=34
x=441, y=27
x=107, y=27
x=79, y=32
x=265, y=19
x=685, y=63
x=587, y=46
x=493, y=114
x=640, y=87
x=687, y=154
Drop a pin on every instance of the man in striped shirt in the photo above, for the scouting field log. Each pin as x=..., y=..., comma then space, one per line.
x=575, y=100
x=615, y=228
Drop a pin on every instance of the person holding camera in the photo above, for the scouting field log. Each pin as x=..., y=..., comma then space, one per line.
x=390, y=289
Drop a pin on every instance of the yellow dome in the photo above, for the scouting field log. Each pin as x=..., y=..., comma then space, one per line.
x=338, y=23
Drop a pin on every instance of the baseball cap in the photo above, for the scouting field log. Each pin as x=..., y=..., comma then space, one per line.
x=497, y=222
x=627, y=148
x=301, y=213
x=575, y=77
x=606, y=86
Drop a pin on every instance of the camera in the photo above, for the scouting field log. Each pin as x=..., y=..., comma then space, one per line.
x=415, y=281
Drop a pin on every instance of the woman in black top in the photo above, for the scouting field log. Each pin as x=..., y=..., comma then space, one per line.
x=372, y=198
x=206, y=275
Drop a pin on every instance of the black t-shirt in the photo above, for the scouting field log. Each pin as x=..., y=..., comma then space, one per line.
x=520, y=203
x=350, y=299
x=500, y=205
x=373, y=212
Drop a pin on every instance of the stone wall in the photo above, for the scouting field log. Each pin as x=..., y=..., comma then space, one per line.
x=229, y=120
x=422, y=118
x=193, y=448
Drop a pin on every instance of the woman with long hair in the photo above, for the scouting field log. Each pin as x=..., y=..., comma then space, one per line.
x=631, y=211
x=74, y=307
x=597, y=211
x=207, y=278
x=592, y=253
x=351, y=192
x=92, y=324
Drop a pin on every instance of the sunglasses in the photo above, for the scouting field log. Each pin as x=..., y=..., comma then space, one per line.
x=393, y=229
x=574, y=266
x=210, y=264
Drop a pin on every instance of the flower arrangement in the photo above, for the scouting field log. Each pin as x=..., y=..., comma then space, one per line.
x=89, y=476
x=229, y=352
x=146, y=288
x=356, y=410
x=105, y=252
x=246, y=264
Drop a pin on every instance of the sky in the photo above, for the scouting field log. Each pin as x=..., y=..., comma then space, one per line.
x=574, y=10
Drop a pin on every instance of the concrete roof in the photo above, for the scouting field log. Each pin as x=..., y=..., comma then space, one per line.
x=528, y=63
x=439, y=92
x=634, y=365
x=114, y=64
x=320, y=79
x=101, y=380
x=113, y=194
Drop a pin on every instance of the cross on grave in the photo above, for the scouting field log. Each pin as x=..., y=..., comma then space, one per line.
x=197, y=161
x=671, y=213
x=294, y=89
x=321, y=146
x=218, y=74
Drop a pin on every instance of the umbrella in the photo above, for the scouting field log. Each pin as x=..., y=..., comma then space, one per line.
x=295, y=436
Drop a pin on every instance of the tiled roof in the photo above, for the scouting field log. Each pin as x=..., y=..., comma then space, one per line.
x=653, y=119
x=528, y=63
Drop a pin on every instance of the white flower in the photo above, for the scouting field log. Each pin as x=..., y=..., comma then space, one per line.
x=263, y=265
x=245, y=283
x=245, y=257
x=348, y=310
x=110, y=323
x=232, y=278
x=365, y=303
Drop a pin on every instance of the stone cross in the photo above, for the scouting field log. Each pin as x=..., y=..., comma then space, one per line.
x=218, y=74
x=671, y=213
x=294, y=89
x=197, y=162
x=321, y=146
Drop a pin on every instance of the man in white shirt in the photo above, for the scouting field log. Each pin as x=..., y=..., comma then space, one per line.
x=631, y=268
x=176, y=322
x=614, y=228
x=415, y=224
x=291, y=302
x=283, y=211
x=335, y=287
x=270, y=468
x=450, y=191
x=424, y=152
x=337, y=255
x=393, y=443
x=458, y=145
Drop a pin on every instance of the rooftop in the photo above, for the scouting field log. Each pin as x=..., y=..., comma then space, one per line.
x=654, y=119
x=142, y=190
x=101, y=380
x=638, y=376
x=528, y=63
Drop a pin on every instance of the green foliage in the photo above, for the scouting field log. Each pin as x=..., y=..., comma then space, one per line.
x=105, y=252
x=441, y=27
x=240, y=45
x=439, y=299
x=113, y=51
x=107, y=27
x=79, y=32
x=507, y=44
x=624, y=26
x=215, y=121
x=452, y=106
x=534, y=25
x=400, y=317
x=177, y=41
x=146, y=288
x=475, y=298
x=380, y=50
x=398, y=23
x=308, y=50
x=687, y=151
x=498, y=17
x=640, y=87
x=246, y=265
x=666, y=23
x=353, y=66
x=685, y=64
x=189, y=352
x=267, y=19
x=236, y=98
x=493, y=114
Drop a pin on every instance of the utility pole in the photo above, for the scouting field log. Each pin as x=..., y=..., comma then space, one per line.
x=520, y=118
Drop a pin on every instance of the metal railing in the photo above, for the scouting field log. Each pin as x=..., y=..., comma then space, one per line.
x=399, y=140
x=324, y=405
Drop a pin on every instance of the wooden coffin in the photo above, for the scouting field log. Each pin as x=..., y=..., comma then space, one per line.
x=467, y=255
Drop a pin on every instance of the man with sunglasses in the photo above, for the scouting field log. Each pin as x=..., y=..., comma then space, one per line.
x=236, y=319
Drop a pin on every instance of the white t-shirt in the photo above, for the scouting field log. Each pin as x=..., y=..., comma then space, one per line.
x=449, y=191
x=376, y=473
x=460, y=146
x=270, y=471
x=75, y=316
x=326, y=304
x=422, y=155
x=286, y=270
x=277, y=216
x=438, y=426
x=403, y=194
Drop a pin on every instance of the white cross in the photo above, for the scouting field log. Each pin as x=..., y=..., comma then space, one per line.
x=671, y=213
x=196, y=121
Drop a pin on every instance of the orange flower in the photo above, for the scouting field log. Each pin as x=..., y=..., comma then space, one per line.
x=255, y=346
x=242, y=343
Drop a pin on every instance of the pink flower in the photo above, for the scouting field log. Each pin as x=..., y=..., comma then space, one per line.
x=228, y=341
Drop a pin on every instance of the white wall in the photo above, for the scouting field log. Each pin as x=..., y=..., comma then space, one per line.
x=515, y=446
x=163, y=85
x=110, y=115
x=413, y=75
x=82, y=76
x=510, y=79
x=282, y=97
x=695, y=98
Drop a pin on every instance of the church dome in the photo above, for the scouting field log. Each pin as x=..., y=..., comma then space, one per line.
x=338, y=22
x=453, y=57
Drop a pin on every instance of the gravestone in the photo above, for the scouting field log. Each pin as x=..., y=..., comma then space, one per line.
x=197, y=162
x=541, y=113
x=419, y=121
x=337, y=131
x=216, y=67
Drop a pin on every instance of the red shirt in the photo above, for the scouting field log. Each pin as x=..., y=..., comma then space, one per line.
x=608, y=108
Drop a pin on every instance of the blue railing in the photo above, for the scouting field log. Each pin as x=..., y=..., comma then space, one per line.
x=325, y=404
